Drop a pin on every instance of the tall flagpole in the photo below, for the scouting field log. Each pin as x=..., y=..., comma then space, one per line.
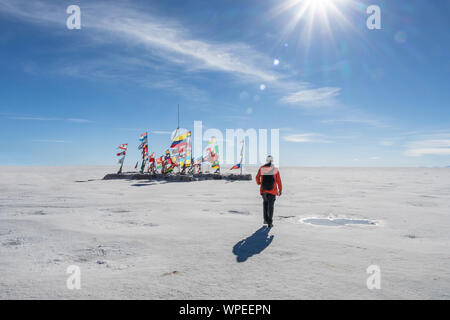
x=123, y=160
x=121, y=165
x=192, y=157
x=176, y=134
x=242, y=155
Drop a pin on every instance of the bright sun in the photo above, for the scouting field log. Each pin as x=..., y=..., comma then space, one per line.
x=314, y=6
x=311, y=12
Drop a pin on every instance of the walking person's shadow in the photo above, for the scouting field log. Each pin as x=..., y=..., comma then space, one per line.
x=252, y=245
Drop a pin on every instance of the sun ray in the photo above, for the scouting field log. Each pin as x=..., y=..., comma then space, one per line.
x=314, y=11
x=312, y=18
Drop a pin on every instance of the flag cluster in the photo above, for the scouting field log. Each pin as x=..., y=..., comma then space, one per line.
x=179, y=154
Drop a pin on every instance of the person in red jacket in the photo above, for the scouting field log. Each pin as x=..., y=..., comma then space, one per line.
x=268, y=178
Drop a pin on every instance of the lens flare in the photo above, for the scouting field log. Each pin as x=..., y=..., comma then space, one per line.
x=312, y=14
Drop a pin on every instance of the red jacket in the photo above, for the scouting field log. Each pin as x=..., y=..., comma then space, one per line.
x=277, y=186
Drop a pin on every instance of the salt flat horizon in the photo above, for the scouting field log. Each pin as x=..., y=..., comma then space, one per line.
x=204, y=240
x=131, y=168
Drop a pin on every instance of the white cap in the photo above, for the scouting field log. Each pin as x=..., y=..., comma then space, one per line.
x=269, y=159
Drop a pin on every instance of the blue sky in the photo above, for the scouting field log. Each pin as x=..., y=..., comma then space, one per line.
x=341, y=94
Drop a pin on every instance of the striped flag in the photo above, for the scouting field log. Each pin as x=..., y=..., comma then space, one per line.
x=143, y=137
x=180, y=139
x=236, y=166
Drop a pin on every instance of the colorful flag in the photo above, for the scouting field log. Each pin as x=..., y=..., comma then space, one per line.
x=236, y=166
x=188, y=161
x=198, y=160
x=168, y=169
x=143, y=137
x=159, y=162
x=212, y=154
x=215, y=165
x=175, y=143
x=180, y=139
x=182, y=136
x=182, y=147
x=123, y=146
x=121, y=153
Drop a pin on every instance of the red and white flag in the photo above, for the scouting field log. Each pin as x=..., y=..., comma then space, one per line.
x=121, y=153
x=123, y=146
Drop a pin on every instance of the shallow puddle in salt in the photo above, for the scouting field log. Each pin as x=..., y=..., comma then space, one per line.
x=336, y=222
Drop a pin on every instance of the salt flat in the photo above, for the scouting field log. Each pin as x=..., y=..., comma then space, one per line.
x=184, y=240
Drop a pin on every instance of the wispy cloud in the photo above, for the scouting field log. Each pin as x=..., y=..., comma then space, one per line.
x=165, y=45
x=175, y=44
x=158, y=37
x=39, y=118
x=143, y=130
x=26, y=118
x=50, y=141
x=77, y=120
x=428, y=151
x=313, y=98
x=429, y=147
x=355, y=120
x=306, y=137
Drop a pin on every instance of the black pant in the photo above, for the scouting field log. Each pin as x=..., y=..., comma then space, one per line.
x=269, y=200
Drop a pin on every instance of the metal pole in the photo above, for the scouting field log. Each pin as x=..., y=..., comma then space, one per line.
x=121, y=166
x=242, y=155
x=178, y=153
